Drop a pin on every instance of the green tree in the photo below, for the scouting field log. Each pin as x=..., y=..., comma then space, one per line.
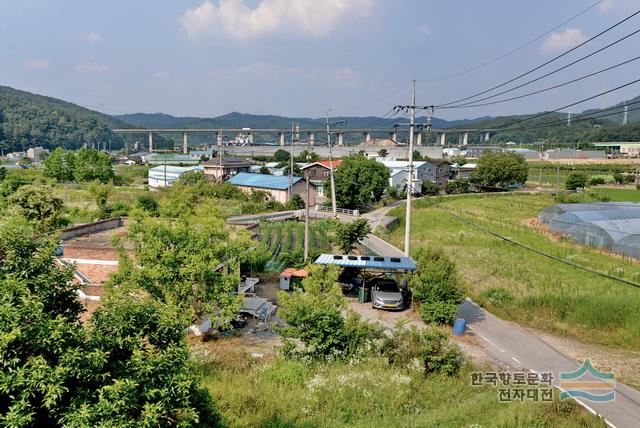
x=307, y=156
x=59, y=165
x=39, y=205
x=91, y=164
x=3, y=173
x=128, y=367
x=177, y=263
x=437, y=286
x=281, y=155
x=348, y=235
x=457, y=186
x=296, y=202
x=360, y=182
x=576, y=180
x=501, y=170
x=383, y=153
x=264, y=170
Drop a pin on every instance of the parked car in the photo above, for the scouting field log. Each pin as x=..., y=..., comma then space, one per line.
x=386, y=294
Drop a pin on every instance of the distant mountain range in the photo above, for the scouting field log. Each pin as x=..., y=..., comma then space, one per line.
x=28, y=120
x=239, y=120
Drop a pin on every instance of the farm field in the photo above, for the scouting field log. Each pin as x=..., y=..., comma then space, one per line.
x=523, y=286
x=285, y=241
x=618, y=194
x=368, y=393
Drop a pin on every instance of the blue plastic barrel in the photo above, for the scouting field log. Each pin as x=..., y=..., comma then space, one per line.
x=458, y=327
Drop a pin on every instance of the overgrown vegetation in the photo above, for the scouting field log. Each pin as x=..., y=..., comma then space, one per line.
x=285, y=242
x=545, y=294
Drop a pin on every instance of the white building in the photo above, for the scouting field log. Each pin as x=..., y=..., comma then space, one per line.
x=164, y=176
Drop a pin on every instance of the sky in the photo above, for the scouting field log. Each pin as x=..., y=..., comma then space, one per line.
x=301, y=57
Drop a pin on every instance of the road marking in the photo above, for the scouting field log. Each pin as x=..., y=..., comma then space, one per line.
x=516, y=360
x=490, y=342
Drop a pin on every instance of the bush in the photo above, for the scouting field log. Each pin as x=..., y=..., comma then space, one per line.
x=427, y=349
x=148, y=203
x=457, y=186
x=117, y=209
x=576, y=180
x=296, y=203
x=596, y=180
x=618, y=178
x=438, y=312
x=429, y=188
x=436, y=279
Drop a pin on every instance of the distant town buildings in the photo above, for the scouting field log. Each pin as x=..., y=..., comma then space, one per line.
x=276, y=186
x=36, y=154
x=220, y=169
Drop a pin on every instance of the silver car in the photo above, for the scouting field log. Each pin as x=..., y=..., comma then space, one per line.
x=385, y=294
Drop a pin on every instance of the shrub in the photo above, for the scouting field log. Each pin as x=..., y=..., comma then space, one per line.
x=596, y=180
x=576, y=180
x=148, y=203
x=296, y=203
x=438, y=312
x=618, y=178
x=117, y=209
x=429, y=188
x=436, y=279
x=457, y=186
x=427, y=349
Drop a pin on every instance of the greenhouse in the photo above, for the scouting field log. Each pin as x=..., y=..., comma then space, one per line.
x=554, y=211
x=612, y=226
x=563, y=222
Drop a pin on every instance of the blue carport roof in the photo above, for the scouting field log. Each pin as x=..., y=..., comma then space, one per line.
x=367, y=262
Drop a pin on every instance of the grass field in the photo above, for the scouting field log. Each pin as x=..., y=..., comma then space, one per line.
x=618, y=194
x=518, y=284
x=281, y=393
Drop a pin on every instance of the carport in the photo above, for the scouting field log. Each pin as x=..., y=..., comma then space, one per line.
x=369, y=265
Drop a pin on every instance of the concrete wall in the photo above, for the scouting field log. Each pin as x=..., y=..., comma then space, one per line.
x=89, y=228
x=323, y=151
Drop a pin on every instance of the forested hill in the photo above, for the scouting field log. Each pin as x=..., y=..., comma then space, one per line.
x=240, y=120
x=28, y=120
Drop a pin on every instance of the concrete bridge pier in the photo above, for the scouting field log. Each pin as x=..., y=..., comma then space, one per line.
x=150, y=142
x=341, y=138
x=219, y=139
x=185, y=146
x=393, y=136
x=485, y=136
x=442, y=138
x=367, y=137
x=419, y=138
x=463, y=138
x=250, y=138
x=312, y=138
x=281, y=138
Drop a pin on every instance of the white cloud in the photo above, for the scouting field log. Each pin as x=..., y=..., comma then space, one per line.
x=93, y=38
x=33, y=64
x=344, y=76
x=237, y=21
x=618, y=7
x=564, y=40
x=161, y=74
x=89, y=67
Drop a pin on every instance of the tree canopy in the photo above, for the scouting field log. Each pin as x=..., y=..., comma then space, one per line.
x=501, y=170
x=360, y=182
x=348, y=235
x=80, y=166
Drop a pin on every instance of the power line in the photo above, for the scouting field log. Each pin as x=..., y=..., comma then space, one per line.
x=512, y=51
x=545, y=63
x=473, y=103
x=568, y=105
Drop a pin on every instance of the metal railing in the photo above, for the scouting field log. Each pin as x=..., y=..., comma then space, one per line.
x=355, y=213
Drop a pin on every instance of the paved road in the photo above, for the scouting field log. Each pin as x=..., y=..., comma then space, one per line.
x=518, y=349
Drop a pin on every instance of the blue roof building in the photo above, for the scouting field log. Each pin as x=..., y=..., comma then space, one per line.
x=276, y=186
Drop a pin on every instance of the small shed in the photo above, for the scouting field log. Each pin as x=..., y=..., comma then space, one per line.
x=291, y=277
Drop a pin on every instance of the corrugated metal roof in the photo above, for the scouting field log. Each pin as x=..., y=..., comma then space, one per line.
x=263, y=181
x=368, y=262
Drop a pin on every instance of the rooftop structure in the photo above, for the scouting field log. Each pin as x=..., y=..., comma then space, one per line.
x=263, y=181
x=367, y=262
x=166, y=175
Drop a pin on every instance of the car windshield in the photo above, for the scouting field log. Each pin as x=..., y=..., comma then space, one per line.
x=387, y=286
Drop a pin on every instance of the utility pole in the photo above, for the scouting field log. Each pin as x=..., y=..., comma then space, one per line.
x=306, y=207
x=291, y=167
x=333, y=183
x=412, y=118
